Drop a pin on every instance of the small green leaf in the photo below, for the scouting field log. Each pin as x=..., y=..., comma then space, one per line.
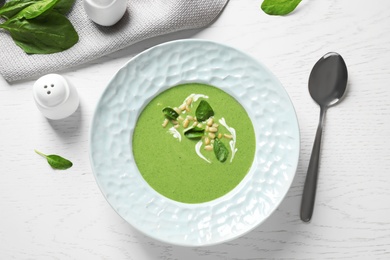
x=279, y=7
x=194, y=132
x=203, y=111
x=39, y=26
x=170, y=113
x=64, y=6
x=220, y=150
x=36, y=9
x=56, y=161
x=13, y=7
x=42, y=35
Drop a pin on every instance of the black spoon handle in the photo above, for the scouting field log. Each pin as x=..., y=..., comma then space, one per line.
x=309, y=190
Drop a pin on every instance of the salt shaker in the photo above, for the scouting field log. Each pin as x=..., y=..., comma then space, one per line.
x=55, y=97
x=105, y=12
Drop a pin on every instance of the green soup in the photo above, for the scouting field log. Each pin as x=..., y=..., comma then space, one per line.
x=188, y=170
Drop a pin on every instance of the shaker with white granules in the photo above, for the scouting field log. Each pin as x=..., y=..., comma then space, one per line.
x=105, y=12
x=55, y=97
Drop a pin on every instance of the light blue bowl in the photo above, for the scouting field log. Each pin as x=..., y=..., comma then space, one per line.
x=228, y=217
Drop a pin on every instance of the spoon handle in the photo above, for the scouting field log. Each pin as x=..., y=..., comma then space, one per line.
x=309, y=190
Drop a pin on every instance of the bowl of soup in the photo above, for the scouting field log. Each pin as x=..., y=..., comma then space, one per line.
x=194, y=143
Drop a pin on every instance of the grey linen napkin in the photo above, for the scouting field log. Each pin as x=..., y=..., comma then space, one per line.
x=143, y=19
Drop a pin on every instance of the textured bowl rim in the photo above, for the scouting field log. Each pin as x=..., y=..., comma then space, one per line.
x=189, y=41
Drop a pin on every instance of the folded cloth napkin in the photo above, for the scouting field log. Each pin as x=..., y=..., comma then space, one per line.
x=143, y=19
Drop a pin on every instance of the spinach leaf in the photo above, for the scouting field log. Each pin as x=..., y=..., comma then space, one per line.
x=42, y=35
x=203, y=111
x=56, y=161
x=64, y=6
x=11, y=8
x=279, y=7
x=36, y=9
x=220, y=150
x=170, y=113
x=194, y=132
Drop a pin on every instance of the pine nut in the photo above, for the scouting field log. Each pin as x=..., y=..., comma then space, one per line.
x=194, y=124
x=186, y=123
x=213, y=129
x=210, y=122
x=200, y=125
x=208, y=147
x=211, y=135
x=165, y=123
x=190, y=118
x=215, y=125
x=207, y=141
x=178, y=110
x=189, y=101
x=182, y=107
x=219, y=136
x=228, y=136
x=176, y=126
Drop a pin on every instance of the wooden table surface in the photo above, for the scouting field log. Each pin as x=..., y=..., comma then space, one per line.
x=48, y=214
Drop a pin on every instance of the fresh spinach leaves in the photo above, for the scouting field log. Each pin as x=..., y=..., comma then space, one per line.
x=220, y=150
x=170, y=113
x=279, y=7
x=56, y=161
x=13, y=7
x=64, y=6
x=194, y=132
x=39, y=26
x=36, y=9
x=203, y=111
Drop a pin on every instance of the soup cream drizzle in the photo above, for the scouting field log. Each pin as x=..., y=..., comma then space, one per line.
x=195, y=97
x=175, y=133
x=197, y=150
x=232, y=143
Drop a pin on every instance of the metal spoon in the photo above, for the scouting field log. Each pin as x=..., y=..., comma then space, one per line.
x=327, y=85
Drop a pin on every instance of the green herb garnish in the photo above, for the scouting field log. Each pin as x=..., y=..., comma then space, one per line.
x=39, y=26
x=56, y=161
x=64, y=6
x=170, y=113
x=220, y=150
x=203, y=111
x=194, y=132
x=13, y=7
x=279, y=7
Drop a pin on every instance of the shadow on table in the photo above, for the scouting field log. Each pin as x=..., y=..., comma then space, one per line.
x=68, y=128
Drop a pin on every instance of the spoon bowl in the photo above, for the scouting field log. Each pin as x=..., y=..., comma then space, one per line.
x=328, y=79
x=327, y=85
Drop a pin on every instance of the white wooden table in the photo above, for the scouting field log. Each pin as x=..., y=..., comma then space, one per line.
x=47, y=214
